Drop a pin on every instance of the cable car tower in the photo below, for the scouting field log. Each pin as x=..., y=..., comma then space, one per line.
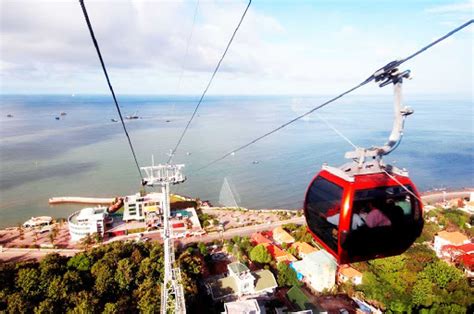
x=172, y=294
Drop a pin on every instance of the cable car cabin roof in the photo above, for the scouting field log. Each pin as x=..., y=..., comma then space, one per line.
x=364, y=178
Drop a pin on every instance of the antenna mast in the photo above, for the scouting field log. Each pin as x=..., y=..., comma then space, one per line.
x=164, y=175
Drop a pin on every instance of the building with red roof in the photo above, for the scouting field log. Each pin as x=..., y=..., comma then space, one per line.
x=467, y=262
x=279, y=255
x=258, y=238
x=452, y=252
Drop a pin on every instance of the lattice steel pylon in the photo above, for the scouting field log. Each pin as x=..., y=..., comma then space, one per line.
x=172, y=293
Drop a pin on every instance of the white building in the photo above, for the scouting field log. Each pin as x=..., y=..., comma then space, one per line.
x=242, y=282
x=242, y=307
x=87, y=221
x=448, y=238
x=347, y=273
x=138, y=207
x=317, y=269
x=40, y=221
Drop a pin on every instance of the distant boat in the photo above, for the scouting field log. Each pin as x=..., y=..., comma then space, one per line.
x=9, y=116
x=255, y=162
x=133, y=116
x=114, y=120
x=168, y=120
x=63, y=113
x=188, y=153
x=57, y=118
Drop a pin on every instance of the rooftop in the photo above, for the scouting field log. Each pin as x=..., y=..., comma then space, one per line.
x=223, y=287
x=88, y=214
x=264, y=280
x=280, y=235
x=467, y=260
x=456, y=237
x=276, y=252
x=304, y=248
x=237, y=268
x=350, y=272
x=315, y=263
x=242, y=307
x=259, y=238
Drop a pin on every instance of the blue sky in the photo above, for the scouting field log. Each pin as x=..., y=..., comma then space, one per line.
x=283, y=47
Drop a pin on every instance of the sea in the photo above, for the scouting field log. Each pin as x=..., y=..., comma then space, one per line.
x=85, y=153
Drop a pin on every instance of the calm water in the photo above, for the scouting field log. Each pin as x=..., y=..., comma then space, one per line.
x=85, y=154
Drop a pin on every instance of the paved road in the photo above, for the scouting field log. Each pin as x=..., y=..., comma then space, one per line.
x=440, y=196
x=244, y=231
x=17, y=254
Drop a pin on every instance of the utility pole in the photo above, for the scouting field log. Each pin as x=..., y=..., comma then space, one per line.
x=172, y=294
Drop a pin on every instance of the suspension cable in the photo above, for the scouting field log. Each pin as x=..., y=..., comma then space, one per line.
x=86, y=16
x=187, y=45
x=388, y=67
x=209, y=83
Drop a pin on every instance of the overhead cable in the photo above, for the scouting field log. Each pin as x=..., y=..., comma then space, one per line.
x=376, y=76
x=89, y=25
x=208, y=84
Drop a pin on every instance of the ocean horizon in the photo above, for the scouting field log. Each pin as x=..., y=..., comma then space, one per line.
x=84, y=153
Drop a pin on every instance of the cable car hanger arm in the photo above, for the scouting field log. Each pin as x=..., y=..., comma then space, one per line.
x=386, y=75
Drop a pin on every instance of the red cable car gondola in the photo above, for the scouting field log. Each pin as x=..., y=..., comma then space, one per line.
x=366, y=209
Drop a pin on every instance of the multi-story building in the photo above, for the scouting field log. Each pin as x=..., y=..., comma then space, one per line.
x=143, y=207
x=241, y=282
x=317, y=269
x=88, y=221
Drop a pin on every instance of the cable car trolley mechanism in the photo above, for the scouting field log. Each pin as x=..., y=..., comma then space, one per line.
x=367, y=209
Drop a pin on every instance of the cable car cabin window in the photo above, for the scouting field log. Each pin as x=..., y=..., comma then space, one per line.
x=323, y=207
x=384, y=220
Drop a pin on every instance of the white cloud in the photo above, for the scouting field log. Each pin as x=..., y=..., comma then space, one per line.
x=453, y=8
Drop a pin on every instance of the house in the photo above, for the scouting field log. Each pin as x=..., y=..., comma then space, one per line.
x=448, y=238
x=280, y=236
x=467, y=263
x=242, y=307
x=303, y=249
x=258, y=238
x=240, y=281
x=347, y=273
x=279, y=255
x=452, y=252
x=317, y=270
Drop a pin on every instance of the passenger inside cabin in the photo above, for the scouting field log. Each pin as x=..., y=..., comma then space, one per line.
x=375, y=216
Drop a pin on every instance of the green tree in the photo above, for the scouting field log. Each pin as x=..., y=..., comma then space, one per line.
x=28, y=282
x=203, y=248
x=124, y=274
x=148, y=295
x=260, y=254
x=104, y=278
x=57, y=289
x=287, y=276
x=16, y=303
x=441, y=274
x=110, y=308
x=80, y=262
x=45, y=307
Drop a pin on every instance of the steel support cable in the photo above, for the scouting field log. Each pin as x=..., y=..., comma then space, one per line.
x=388, y=67
x=209, y=83
x=187, y=44
x=89, y=25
